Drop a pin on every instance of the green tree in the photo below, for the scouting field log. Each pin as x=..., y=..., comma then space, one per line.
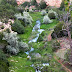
x=18, y=27
x=42, y=5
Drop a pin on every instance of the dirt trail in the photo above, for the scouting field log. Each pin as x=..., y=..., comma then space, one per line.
x=64, y=43
x=49, y=37
x=68, y=70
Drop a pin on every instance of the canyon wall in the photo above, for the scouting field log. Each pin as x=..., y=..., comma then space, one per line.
x=48, y=2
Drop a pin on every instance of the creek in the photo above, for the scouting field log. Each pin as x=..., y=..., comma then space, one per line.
x=36, y=28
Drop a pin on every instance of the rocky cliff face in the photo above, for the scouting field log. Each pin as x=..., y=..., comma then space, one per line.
x=48, y=2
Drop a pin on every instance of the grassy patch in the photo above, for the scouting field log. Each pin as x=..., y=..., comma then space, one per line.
x=20, y=64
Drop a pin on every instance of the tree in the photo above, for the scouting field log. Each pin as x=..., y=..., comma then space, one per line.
x=43, y=5
x=34, y=2
x=14, y=45
x=62, y=6
x=7, y=9
x=26, y=4
x=67, y=23
x=18, y=27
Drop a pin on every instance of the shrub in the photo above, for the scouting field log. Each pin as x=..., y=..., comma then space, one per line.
x=4, y=64
x=26, y=4
x=12, y=40
x=52, y=14
x=2, y=27
x=43, y=5
x=42, y=34
x=1, y=36
x=8, y=30
x=12, y=50
x=20, y=8
x=58, y=27
x=27, y=10
x=67, y=55
x=43, y=12
x=18, y=27
x=26, y=18
x=40, y=38
x=62, y=6
x=31, y=10
x=23, y=46
x=55, y=45
x=14, y=46
x=46, y=20
x=58, y=32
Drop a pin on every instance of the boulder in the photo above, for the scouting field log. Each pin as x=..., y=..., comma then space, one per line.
x=29, y=57
x=1, y=23
x=36, y=55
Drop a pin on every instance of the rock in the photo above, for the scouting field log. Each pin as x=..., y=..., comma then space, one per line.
x=29, y=57
x=1, y=23
x=37, y=55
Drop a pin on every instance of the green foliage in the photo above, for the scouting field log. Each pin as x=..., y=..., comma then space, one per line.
x=2, y=27
x=42, y=34
x=27, y=10
x=55, y=46
x=14, y=45
x=52, y=14
x=7, y=9
x=46, y=20
x=42, y=5
x=8, y=30
x=67, y=55
x=58, y=27
x=40, y=38
x=26, y=4
x=62, y=6
x=1, y=36
x=43, y=12
x=18, y=27
x=4, y=64
x=34, y=2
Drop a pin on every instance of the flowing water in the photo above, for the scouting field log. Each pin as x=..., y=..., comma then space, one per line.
x=36, y=28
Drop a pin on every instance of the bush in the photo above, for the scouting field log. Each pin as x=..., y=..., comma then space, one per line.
x=4, y=64
x=18, y=27
x=58, y=27
x=43, y=12
x=8, y=30
x=52, y=14
x=43, y=5
x=58, y=32
x=46, y=20
x=27, y=10
x=31, y=10
x=67, y=56
x=23, y=46
x=42, y=34
x=14, y=46
x=40, y=38
x=62, y=6
x=2, y=27
x=26, y=18
x=1, y=36
x=55, y=45
x=26, y=4
x=12, y=41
